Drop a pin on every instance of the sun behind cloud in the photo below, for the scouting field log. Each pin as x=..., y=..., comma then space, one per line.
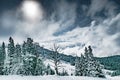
x=31, y=10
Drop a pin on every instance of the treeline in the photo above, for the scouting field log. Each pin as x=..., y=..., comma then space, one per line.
x=22, y=59
x=25, y=59
x=111, y=63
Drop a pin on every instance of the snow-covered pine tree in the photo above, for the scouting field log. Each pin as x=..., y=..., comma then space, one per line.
x=49, y=70
x=23, y=59
x=17, y=60
x=11, y=52
x=80, y=66
x=24, y=49
x=87, y=65
x=28, y=60
x=2, y=58
x=93, y=67
x=32, y=62
x=86, y=62
x=38, y=66
x=77, y=61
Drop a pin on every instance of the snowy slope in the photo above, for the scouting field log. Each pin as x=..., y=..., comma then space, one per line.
x=63, y=65
x=69, y=68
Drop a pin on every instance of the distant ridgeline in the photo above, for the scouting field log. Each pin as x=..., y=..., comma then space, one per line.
x=27, y=59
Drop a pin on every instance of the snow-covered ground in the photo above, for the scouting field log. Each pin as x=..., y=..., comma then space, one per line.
x=64, y=65
x=15, y=77
x=115, y=78
x=53, y=78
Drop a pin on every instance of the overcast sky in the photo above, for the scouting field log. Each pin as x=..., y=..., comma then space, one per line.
x=73, y=24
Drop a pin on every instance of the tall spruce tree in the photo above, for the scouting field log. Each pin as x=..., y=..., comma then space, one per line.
x=23, y=59
x=38, y=66
x=32, y=62
x=48, y=70
x=2, y=58
x=28, y=60
x=77, y=61
x=94, y=68
x=17, y=59
x=18, y=54
x=11, y=53
x=80, y=69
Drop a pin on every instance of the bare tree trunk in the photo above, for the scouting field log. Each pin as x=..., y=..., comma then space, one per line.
x=56, y=57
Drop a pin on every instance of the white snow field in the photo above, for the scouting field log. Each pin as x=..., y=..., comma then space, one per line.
x=52, y=78
x=14, y=77
x=115, y=78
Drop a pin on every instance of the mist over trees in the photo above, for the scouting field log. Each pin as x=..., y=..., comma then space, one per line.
x=25, y=59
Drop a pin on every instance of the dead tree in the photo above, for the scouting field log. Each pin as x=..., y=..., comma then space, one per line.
x=56, y=57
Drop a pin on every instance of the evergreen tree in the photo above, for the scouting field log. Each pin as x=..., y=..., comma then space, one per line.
x=27, y=52
x=80, y=69
x=32, y=63
x=18, y=53
x=64, y=73
x=38, y=66
x=23, y=59
x=24, y=49
x=2, y=58
x=77, y=66
x=17, y=60
x=49, y=70
x=28, y=57
x=30, y=46
x=116, y=73
x=88, y=66
x=11, y=53
x=93, y=67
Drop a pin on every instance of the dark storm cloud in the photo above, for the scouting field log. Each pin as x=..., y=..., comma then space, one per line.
x=51, y=7
x=6, y=32
x=7, y=23
x=9, y=4
x=86, y=11
x=7, y=29
x=114, y=28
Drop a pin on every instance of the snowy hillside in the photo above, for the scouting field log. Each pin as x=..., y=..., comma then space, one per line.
x=64, y=65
